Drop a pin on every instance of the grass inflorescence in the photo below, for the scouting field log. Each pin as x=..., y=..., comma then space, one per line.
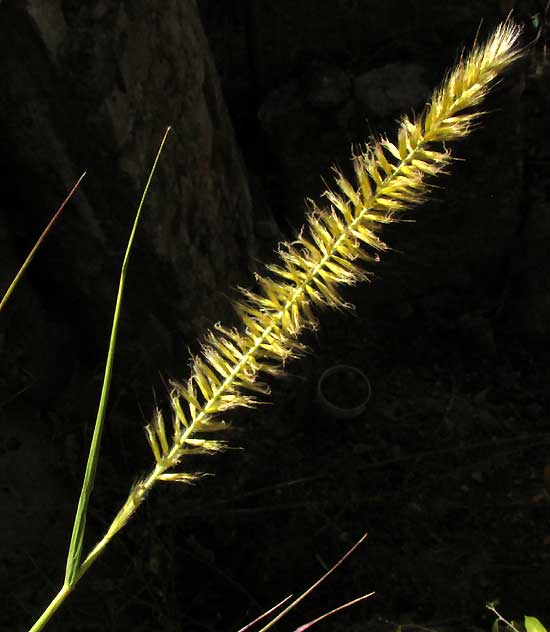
x=330, y=251
x=335, y=247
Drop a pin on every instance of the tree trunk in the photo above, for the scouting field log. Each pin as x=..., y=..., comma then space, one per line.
x=93, y=89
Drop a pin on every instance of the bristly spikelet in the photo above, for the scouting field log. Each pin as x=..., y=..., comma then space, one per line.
x=389, y=178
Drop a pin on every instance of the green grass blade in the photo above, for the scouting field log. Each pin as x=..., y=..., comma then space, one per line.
x=39, y=241
x=79, y=527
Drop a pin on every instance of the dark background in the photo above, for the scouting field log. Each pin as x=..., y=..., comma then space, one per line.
x=448, y=467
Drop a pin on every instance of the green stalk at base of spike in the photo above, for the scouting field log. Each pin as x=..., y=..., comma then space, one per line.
x=79, y=528
x=74, y=569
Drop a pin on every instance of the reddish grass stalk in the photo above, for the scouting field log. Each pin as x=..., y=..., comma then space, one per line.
x=264, y=615
x=314, y=586
x=305, y=626
x=39, y=241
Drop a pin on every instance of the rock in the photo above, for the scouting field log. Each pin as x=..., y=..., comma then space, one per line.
x=328, y=87
x=392, y=89
x=280, y=108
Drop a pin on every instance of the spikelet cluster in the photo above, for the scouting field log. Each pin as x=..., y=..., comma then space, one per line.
x=331, y=251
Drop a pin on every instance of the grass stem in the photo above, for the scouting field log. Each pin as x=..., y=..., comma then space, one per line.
x=74, y=569
x=51, y=609
x=39, y=241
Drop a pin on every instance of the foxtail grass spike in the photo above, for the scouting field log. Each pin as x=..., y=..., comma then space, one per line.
x=332, y=249
x=338, y=240
x=329, y=252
